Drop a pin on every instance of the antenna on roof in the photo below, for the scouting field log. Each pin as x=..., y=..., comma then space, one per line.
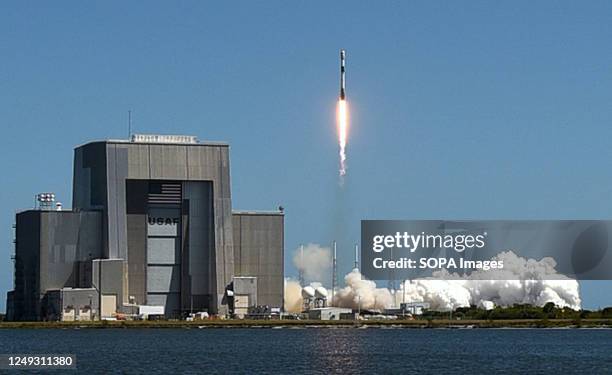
x=129, y=123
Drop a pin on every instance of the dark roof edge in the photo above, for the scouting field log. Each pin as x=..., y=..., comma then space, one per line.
x=258, y=213
x=128, y=142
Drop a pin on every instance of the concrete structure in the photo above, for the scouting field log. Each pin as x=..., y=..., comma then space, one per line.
x=328, y=313
x=54, y=249
x=151, y=224
x=145, y=311
x=258, y=240
x=243, y=295
x=414, y=308
x=71, y=304
x=409, y=308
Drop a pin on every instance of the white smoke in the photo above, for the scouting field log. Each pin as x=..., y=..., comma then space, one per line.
x=360, y=292
x=522, y=281
x=315, y=262
x=293, y=296
x=293, y=300
x=486, y=305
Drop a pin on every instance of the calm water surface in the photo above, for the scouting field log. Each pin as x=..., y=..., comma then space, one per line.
x=321, y=350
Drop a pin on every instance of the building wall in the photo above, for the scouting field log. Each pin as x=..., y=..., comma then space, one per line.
x=245, y=294
x=52, y=249
x=89, y=188
x=108, y=277
x=164, y=258
x=67, y=239
x=10, y=305
x=26, y=296
x=117, y=162
x=259, y=252
x=136, y=222
x=199, y=260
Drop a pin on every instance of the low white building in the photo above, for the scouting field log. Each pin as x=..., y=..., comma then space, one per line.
x=328, y=313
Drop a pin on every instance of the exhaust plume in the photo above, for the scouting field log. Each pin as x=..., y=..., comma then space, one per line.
x=342, y=120
x=315, y=261
x=522, y=281
x=293, y=296
x=362, y=293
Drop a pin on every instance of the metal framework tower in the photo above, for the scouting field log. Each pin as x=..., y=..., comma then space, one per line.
x=392, y=286
x=334, y=275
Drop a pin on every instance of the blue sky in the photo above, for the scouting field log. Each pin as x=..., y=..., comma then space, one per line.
x=472, y=110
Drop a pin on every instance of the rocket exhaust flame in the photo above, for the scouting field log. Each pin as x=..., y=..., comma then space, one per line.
x=342, y=115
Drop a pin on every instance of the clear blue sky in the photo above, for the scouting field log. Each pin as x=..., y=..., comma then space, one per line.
x=459, y=110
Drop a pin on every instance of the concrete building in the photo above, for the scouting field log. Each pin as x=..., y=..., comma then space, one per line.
x=242, y=294
x=329, y=313
x=415, y=308
x=258, y=239
x=151, y=224
x=408, y=308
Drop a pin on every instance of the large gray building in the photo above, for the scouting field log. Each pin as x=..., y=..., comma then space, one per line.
x=151, y=224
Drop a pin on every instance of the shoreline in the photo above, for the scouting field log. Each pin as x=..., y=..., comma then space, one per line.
x=414, y=324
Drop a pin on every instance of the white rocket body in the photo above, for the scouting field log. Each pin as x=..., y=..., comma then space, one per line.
x=342, y=75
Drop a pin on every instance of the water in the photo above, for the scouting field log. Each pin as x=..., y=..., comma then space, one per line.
x=321, y=350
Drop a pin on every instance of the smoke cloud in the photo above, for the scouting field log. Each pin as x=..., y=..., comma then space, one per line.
x=522, y=281
x=315, y=263
x=293, y=296
x=363, y=293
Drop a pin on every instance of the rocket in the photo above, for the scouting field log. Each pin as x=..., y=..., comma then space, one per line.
x=342, y=75
x=342, y=116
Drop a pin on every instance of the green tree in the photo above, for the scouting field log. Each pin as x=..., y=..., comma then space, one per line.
x=549, y=307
